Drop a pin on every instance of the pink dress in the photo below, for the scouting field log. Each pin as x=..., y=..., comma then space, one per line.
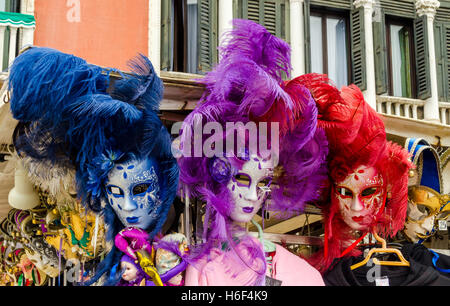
x=223, y=270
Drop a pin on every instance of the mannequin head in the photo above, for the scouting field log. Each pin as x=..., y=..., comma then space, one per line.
x=247, y=88
x=427, y=202
x=425, y=207
x=98, y=125
x=368, y=175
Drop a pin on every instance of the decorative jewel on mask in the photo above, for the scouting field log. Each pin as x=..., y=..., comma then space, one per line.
x=99, y=169
x=220, y=169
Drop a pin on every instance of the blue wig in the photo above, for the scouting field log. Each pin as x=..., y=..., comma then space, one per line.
x=71, y=110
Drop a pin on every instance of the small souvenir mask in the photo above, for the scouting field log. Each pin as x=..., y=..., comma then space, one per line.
x=250, y=187
x=360, y=196
x=78, y=232
x=43, y=256
x=133, y=191
x=425, y=207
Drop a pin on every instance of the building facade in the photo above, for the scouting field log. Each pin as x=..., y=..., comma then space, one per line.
x=396, y=51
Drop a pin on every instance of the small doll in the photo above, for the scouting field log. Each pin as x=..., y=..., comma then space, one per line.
x=160, y=267
x=132, y=273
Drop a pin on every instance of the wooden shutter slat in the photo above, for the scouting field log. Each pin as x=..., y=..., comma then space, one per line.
x=270, y=17
x=272, y=14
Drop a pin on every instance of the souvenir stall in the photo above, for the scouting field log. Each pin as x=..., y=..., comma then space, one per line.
x=310, y=191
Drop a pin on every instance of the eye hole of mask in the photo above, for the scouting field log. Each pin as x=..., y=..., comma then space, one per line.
x=369, y=191
x=424, y=209
x=115, y=190
x=242, y=179
x=141, y=188
x=264, y=183
x=344, y=192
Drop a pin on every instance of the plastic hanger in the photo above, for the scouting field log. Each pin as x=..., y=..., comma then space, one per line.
x=268, y=245
x=383, y=249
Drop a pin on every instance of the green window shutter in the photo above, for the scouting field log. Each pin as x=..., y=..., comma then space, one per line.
x=255, y=11
x=306, y=16
x=380, y=53
x=335, y=4
x=272, y=14
x=207, y=35
x=166, y=43
x=447, y=62
x=5, y=59
x=358, y=50
x=442, y=47
x=440, y=58
x=422, y=54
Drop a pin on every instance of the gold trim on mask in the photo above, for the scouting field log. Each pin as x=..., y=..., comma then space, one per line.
x=423, y=195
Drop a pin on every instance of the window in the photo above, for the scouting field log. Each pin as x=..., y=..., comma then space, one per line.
x=10, y=6
x=400, y=45
x=329, y=38
x=179, y=51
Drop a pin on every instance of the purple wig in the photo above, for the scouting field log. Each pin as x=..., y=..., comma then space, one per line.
x=247, y=86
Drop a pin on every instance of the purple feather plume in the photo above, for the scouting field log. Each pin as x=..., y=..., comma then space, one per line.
x=247, y=86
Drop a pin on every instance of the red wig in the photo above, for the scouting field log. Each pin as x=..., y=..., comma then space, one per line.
x=356, y=136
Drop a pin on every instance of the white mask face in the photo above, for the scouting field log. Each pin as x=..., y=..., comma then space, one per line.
x=250, y=187
x=134, y=193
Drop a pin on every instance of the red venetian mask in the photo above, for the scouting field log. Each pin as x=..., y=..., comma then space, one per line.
x=360, y=197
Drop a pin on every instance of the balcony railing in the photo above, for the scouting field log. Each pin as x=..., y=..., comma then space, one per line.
x=410, y=108
x=444, y=110
x=16, y=31
x=401, y=107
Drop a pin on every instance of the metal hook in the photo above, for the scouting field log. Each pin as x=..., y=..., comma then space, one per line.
x=6, y=98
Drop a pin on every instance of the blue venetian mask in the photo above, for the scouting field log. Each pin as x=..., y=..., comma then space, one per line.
x=133, y=191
